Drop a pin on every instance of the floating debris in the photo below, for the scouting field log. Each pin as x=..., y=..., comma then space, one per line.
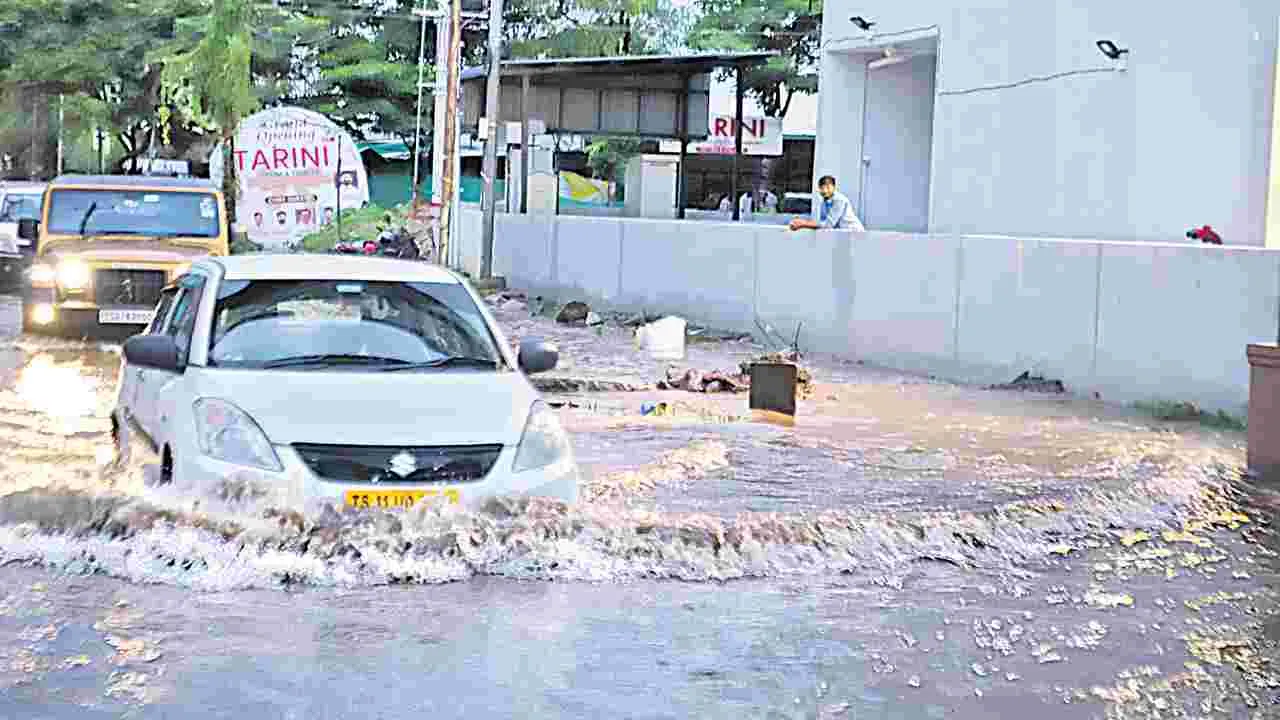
x=129, y=651
x=1199, y=604
x=1097, y=598
x=1133, y=538
x=1185, y=537
x=1026, y=382
x=75, y=662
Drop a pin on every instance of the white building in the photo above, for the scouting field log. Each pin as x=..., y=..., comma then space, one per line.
x=1006, y=117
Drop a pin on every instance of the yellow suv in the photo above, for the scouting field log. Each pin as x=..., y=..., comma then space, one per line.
x=106, y=246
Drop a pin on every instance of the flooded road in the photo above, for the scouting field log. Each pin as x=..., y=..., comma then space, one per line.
x=909, y=549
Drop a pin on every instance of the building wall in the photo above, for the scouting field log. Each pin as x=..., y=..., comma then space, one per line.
x=1180, y=139
x=1273, y=202
x=1129, y=321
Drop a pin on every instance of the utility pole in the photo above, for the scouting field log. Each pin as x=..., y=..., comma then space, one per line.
x=739, y=83
x=61, y=120
x=102, y=142
x=493, y=122
x=417, y=135
x=439, y=92
x=451, y=121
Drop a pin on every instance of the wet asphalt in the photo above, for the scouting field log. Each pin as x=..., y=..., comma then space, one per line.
x=909, y=549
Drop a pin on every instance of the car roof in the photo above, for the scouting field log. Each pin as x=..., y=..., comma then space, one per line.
x=306, y=266
x=144, y=181
x=21, y=187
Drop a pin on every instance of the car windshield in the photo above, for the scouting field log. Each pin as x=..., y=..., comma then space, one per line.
x=361, y=325
x=133, y=212
x=20, y=207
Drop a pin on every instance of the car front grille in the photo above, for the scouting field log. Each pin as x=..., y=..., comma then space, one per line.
x=128, y=287
x=382, y=464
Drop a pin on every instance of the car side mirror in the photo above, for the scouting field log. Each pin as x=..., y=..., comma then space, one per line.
x=28, y=229
x=153, y=351
x=537, y=356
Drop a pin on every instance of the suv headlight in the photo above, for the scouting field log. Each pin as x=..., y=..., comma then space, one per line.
x=225, y=432
x=73, y=274
x=544, y=441
x=43, y=275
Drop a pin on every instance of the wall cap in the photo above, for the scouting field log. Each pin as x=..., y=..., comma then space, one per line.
x=1263, y=355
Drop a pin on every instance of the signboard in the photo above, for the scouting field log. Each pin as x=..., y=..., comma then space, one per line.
x=579, y=191
x=760, y=136
x=291, y=165
x=157, y=166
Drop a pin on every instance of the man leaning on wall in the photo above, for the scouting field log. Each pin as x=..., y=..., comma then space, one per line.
x=832, y=212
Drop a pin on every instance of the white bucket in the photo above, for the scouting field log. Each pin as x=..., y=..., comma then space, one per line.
x=663, y=339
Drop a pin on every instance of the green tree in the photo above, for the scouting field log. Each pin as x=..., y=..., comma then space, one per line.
x=361, y=71
x=213, y=77
x=607, y=155
x=94, y=49
x=586, y=28
x=793, y=28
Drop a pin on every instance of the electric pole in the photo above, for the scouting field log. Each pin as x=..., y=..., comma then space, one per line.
x=61, y=121
x=451, y=121
x=493, y=123
x=417, y=135
x=439, y=92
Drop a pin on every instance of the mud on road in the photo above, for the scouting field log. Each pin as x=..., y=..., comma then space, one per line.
x=908, y=549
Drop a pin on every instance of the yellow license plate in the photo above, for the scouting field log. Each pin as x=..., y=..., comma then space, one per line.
x=399, y=498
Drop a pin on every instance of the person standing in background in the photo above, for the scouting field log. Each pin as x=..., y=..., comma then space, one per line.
x=832, y=212
x=770, y=202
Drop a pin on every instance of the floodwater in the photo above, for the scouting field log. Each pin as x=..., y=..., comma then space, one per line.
x=908, y=549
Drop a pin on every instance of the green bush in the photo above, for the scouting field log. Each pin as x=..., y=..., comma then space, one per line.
x=1188, y=412
x=358, y=225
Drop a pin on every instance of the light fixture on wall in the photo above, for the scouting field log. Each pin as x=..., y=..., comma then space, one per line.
x=890, y=57
x=1109, y=49
x=1118, y=54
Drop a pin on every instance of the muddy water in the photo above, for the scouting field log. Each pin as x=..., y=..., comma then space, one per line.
x=908, y=550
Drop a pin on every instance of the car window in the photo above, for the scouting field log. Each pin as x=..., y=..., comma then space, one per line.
x=162, y=309
x=182, y=323
x=17, y=207
x=264, y=321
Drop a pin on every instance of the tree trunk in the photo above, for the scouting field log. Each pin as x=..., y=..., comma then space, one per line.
x=230, y=181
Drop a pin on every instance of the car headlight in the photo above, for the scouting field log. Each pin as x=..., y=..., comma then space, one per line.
x=544, y=441
x=73, y=274
x=225, y=432
x=43, y=275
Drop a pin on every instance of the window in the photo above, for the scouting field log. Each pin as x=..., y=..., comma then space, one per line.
x=20, y=207
x=162, y=309
x=183, y=323
x=129, y=212
x=262, y=322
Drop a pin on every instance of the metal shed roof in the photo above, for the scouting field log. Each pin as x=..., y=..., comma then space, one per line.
x=688, y=63
x=654, y=96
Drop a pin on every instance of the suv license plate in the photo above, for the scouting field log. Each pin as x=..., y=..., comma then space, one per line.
x=124, y=317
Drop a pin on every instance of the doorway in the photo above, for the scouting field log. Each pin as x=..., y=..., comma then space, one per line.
x=897, y=142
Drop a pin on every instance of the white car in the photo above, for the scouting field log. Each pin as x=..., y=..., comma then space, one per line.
x=18, y=201
x=358, y=381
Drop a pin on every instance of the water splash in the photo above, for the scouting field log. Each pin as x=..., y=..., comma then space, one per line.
x=531, y=538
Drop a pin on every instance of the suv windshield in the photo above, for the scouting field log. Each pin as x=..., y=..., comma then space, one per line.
x=365, y=325
x=133, y=212
x=20, y=207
